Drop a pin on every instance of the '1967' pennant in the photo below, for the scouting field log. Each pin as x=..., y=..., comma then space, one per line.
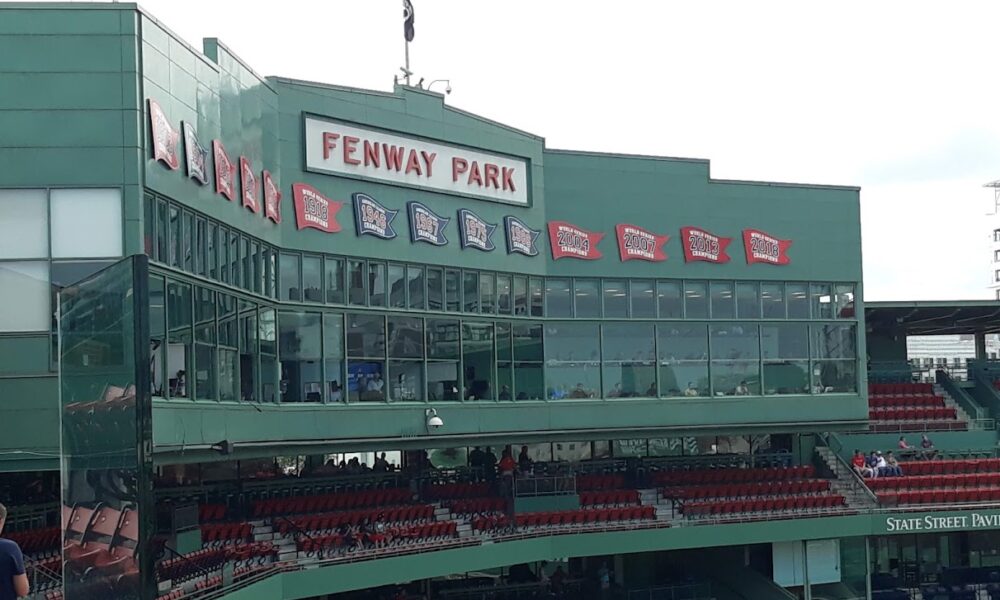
x=700, y=245
x=426, y=225
x=313, y=209
x=761, y=247
x=569, y=241
x=635, y=243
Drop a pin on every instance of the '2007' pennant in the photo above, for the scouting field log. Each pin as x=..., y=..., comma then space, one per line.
x=165, y=137
x=635, y=243
x=761, y=247
x=426, y=225
x=569, y=241
x=371, y=218
x=704, y=246
x=313, y=209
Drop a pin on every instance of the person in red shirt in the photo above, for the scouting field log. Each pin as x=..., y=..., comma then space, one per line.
x=507, y=464
x=859, y=464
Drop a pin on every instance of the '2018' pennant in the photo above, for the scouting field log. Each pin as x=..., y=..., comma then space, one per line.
x=764, y=248
x=313, y=209
x=700, y=245
x=569, y=241
x=520, y=237
x=165, y=137
x=426, y=225
x=635, y=243
x=371, y=218
x=474, y=231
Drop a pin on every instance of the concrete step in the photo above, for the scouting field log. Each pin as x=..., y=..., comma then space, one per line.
x=263, y=537
x=442, y=514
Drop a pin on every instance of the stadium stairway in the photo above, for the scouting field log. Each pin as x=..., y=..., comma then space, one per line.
x=844, y=482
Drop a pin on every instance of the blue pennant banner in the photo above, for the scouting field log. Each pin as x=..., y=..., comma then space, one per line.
x=425, y=225
x=372, y=218
x=474, y=231
x=520, y=237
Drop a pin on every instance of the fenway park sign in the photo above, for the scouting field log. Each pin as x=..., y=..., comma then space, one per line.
x=338, y=148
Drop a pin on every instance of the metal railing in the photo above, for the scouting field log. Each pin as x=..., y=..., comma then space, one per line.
x=687, y=591
x=558, y=485
x=857, y=484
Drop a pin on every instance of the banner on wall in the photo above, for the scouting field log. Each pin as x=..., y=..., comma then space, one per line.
x=165, y=137
x=635, y=243
x=195, y=154
x=474, y=231
x=426, y=225
x=569, y=241
x=520, y=238
x=700, y=245
x=272, y=198
x=225, y=171
x=249, y=182
x=371, y=218
x=764, y=248
x=313, y=209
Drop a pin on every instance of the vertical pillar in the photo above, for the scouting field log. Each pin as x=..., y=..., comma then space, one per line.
x=806, y=586
x=868, y=567
x=980, y=337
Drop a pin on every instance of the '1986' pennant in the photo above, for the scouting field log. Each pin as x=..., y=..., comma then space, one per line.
x=520, y=237
x=761, y=247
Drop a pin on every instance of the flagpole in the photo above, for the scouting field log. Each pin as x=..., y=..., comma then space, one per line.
x=407, y=63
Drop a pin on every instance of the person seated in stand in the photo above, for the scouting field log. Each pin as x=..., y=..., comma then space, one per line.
x=927, y=447
x=579, y=392
x=691, y=390
x=892, y=465
x=872, y=462
x=742, y=389
x=522, y=396
x=881, y=467
x=375, y=386
x=860, y=465
x=523, y=460
x=905, y=449
x=651, y=390
x=504, y=392
x=616, y=391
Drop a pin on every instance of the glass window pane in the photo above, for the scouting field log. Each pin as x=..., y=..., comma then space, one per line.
x=822, y=301
x=299, y=351
x=270, y=371
x=415, y=286
x=695, y=300
x=834, y=341
x=844, y=300
x=157, y=334
x=557, y=298
x=245, y=262
x=204, y=315
x=271, y=272
x=835, y=376
x=643, y=302
x=179, y=337
x=174, y=251
x=735, y=342
x=527, y=340
x=205, y=368
x=747, y=301
x=629, y=367
x=257, y=272
x=88, y=222
x=235, y=269
x=366, y=380
x=333, y=356
x=572, y=361
x=470, y=291
x=520, y=295
x=162, y=233
x=223, y=249
x=615, y=298
x=785, y=348
x=62, y=274
x=366, y=336
x=187, y=242
x=24, y=224
x=453, y=287
x=199, y=246
x=435, y=289
x=797, y=296
x=443, y=339
x=535, y=296
x=406, y=337
x=682, y=351
x=772, y=296
x=376, y=284
x=397, y=286
x=735, y=359
x=229, y=358
x=487, y=293
x=587, y=295
x=503, y=294
x=477, y=361
x=289, y=277
x=356, y=282
x=334, y=279
x=211, y=253
x=24, y=296
x=442, y=378
x=529, y=381
x=668, y=297
x=406, y=380
x=312, y=278
x=723, y=306
x=504, y=342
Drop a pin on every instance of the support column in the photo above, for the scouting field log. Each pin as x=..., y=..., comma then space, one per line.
x=806, y=586
x=980, y=337
x=868, y=567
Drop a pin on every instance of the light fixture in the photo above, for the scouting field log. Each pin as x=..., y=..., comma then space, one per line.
x=447, y=83
x=433, y=420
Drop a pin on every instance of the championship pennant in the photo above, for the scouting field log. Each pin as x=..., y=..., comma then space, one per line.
x=371, y=218
x=249, y=180
x=570, y=241
x=474, y=231
x=761, y=247
x=196, y=155
x=700, y=245
x=520, y=237
x=164, y=137
x=635, y=243
x=225, y=171
x=313, y=209
x=426, y=225
x=272, y=198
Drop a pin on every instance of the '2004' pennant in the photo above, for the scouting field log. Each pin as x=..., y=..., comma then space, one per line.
x=761, y=247
x=313, y=209
x=426, y=225
x=371, y=218
x=635, y=243
x=569, y=241
x=165, y=137
x=704, y=246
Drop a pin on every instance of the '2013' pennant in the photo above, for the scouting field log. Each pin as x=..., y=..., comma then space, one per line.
x=426, y=225
x=700, y=245
x=569, y=241
x=313, y=209
x=474, y=231
x=635, y=243
x=764, y=248
x=165, y=137
x=520, y=237
x=371, y=218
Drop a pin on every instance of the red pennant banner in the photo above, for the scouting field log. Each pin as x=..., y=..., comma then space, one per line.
x=313, y=209
x=704, y=246
x=165, y=137
x=249, y=179
x=635, y=243
x=570, y=241
x=761, y=247
x=225, y=171
x=272, y=198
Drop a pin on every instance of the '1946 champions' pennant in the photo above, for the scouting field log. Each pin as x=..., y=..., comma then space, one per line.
x=249, y=179
x=197, y=155
x=272, y=198
x=225, y=171
x=704, y=246
x=426, y=225
x=635, y=243
x=371, y=218
x=313, y=209
x=520, y=237
x=474, y=231
x=568, y=240
x=761, y=247
x=164, y=137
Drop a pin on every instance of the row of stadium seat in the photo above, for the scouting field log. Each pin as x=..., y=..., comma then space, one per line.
x=747, y=490
x=917, y=426
x=176, y=594
x=923, y=413
x=476, y=506
x=405, y=514
x=586, y=515
x=102, y=537
x=36, y=541
x=940, y=496
x=732, y=475
x=725, y=507
x=211, y=512
x=225, y=532
x=327, y=502
x=181, y=567
x=456, y=490
x=898, y=389
x=597, y=482
x=952, y=466
x=437, y=531
x=965, y=480
x=905, y=401
x=615, y=497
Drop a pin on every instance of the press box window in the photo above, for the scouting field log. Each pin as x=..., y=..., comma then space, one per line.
x=87, y=223
x=24, y=224
x=24, y=295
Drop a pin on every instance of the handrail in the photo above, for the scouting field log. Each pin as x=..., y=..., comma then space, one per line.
x=199, y=570
x=960, y=396
x=298, y=529
x=857, y=483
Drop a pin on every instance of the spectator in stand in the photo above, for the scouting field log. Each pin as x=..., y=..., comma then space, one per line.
x=892, y=465
x=507, y=464
x=927, y=446
x=604, y=580
x=860, y=465
x=381, y=464
x=881, y=467
x=556, y=580
x=690, y=390
x=477, y=458
x=523, y=460
x=742, y=389
x=490, y=465
x=504, y=392
x=651, y=391
x=872, y=462
x=905, y=449
x=13, y=580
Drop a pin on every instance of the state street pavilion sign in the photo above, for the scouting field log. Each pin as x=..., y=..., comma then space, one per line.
x=337, y=148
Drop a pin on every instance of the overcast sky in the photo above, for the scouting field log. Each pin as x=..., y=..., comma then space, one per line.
x=899, y=98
